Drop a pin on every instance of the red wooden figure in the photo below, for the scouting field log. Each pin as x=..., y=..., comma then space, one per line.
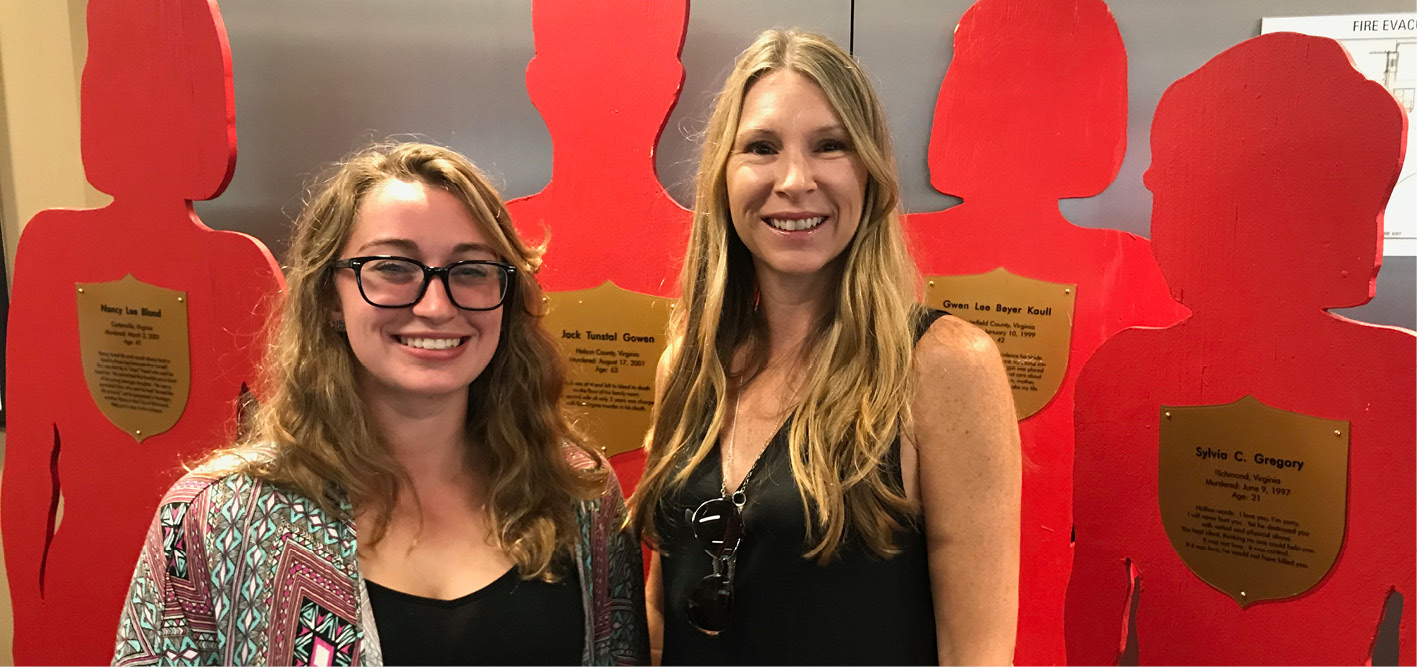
x=1271, y=166
x=605, y=102
x=157, y=131
x=1033, y=108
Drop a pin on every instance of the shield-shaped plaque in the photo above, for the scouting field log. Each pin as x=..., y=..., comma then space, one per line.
x=1253, y=498
x=135, y=353
x=1030, y=320
x=611, y=339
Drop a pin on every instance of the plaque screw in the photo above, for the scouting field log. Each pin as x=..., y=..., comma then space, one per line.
x=1242, y=594
x=1168, y=415
x=932, y=283
x=1067, y=291
x=181, y=299
x=1337, y=433
x=582, y=403
x=138, y=432
x=545, y=299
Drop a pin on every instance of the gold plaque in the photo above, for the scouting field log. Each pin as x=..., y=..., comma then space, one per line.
x=611, y=339
x=1253, y=498
x=1031, y=320
x=133, y=344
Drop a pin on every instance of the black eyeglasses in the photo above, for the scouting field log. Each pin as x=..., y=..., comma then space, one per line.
x=718, y=525
x=386, y=281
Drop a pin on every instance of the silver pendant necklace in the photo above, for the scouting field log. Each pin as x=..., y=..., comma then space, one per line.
x=739, y=496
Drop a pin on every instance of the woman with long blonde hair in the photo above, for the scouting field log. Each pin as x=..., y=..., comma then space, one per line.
x=833, y=472
x=408, y=469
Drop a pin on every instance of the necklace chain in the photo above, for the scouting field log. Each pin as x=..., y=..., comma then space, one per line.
x=739, y=497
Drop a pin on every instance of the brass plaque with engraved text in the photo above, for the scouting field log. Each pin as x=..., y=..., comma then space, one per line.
x=1253, y=498
x=133, y=343
x=1030, y=320
x=611, y=339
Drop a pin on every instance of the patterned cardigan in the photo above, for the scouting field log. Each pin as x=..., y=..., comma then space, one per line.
x=235, y=571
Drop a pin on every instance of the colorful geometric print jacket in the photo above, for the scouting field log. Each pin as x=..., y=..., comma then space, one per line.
x=235, y=571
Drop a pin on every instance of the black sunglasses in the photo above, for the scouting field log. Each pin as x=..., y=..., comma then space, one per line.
x=718, y=525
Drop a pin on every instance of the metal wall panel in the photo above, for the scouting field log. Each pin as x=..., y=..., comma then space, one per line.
x=718, y=31
x=318, y=78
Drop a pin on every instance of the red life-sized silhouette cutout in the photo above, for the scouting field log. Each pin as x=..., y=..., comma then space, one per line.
x=1271, y=166
x=157, y=131
x=605, y=77
x=1033, y=109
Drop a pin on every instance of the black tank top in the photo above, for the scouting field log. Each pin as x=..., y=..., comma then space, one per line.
x=506, y=622
x=856, y=609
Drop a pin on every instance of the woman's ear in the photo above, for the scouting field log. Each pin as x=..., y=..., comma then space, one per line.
x=336, y=317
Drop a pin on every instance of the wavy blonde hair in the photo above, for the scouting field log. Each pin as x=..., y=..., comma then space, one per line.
x=312, y=432
x=857, y=393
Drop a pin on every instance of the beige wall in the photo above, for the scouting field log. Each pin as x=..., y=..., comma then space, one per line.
x=42, y=49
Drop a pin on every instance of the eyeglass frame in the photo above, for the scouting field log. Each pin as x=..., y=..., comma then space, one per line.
x=724, y=561
x=356, y=264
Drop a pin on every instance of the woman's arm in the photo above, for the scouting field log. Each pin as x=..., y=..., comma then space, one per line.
x=654, y=610
x=151, y=629
x=654, y=584
x=628, y=642
x=969, y=471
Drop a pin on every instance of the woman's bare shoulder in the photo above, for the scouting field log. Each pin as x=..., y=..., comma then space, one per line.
x=961, y=388
x=955, y=347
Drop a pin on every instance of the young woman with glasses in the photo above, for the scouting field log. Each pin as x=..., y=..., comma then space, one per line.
x=833, y=474
x=408, y=468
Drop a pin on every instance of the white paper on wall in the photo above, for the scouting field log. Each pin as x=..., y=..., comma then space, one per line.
x=1384, y=48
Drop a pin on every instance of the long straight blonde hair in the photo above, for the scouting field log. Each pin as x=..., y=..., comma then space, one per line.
x=858, y=385
x=312, y=432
